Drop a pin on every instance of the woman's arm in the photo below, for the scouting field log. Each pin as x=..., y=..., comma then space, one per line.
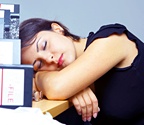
x=85, y=102
x=102, y=55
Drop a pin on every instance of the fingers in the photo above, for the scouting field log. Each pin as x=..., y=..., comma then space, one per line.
x=34, y=85
x=80, y=106
x=76, y=105
x=86, y=104
x=87, y=107
x=91, y=104
x=94, y=101
x=36, y=95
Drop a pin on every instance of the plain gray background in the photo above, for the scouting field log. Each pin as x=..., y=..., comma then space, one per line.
x=83, y=16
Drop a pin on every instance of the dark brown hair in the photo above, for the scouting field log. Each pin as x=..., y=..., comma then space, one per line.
x=30, y=27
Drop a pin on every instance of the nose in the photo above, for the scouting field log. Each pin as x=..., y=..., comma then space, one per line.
x=49, y=57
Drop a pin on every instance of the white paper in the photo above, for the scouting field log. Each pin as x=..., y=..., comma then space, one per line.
x=7, y=7
x=26, y=116
x=6, y=52
x=12, y=87
x=2, y=13
x=0, y=86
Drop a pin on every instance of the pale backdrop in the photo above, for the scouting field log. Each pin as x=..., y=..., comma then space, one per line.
x=82, y=16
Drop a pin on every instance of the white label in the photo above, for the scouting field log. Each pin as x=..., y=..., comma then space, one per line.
x=12, y=87
x=7, y=7
x=1, y=13
x=0, y=86
x=6, y=52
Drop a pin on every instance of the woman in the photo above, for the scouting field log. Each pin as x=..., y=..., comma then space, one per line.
x=66, y=65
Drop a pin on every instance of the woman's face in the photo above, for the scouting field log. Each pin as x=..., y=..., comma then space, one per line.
x=51, y=51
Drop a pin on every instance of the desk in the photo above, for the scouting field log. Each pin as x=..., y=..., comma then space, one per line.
x=53, y=107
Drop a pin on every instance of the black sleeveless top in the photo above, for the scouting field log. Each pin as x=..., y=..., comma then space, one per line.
x=120, y=92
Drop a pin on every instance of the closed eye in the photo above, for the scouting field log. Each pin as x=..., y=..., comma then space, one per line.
x=37, y=65
x=40, y=61
x=40, y=64
x=45, y=44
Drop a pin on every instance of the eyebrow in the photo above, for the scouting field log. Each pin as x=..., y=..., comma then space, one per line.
x=34, y=62
x=37, y=47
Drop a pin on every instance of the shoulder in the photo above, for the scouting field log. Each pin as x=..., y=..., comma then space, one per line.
x=115, y=47
x=110, y=29
x=106, y=31
x=114, y=25
x=113, y=40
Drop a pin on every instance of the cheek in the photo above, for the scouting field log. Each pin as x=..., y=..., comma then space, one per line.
x=70, y=56
x=26, y=57
x=70, y=59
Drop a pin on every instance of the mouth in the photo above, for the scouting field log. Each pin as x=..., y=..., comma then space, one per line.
x=60, y=61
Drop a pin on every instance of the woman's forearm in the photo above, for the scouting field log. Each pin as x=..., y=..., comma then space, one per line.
x=46, y=82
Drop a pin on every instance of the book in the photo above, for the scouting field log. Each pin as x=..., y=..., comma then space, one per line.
x=16, y=86
x=11, y=20
x=10, y=51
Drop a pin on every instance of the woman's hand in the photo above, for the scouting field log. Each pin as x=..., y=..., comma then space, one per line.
x=36, y=94
x=34, y=86
x=86, y=104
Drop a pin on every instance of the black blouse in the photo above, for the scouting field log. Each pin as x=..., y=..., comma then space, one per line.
x=120, y=91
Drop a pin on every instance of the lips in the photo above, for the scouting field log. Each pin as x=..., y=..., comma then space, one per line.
x=60, y=61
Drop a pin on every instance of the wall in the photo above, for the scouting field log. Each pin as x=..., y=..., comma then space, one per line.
x=83, y=16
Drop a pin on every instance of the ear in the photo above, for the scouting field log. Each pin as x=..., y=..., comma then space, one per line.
x=57, y=28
